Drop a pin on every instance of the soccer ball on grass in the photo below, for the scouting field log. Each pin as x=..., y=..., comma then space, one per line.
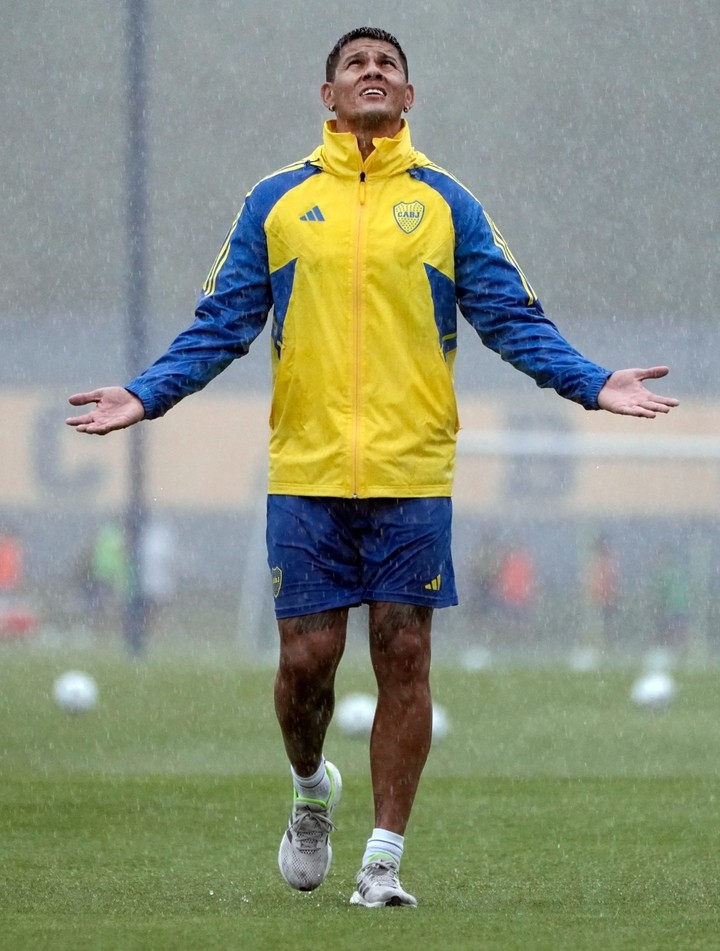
x=75, y=692
x=654, y=691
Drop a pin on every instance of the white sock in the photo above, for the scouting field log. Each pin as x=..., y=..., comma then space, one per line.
x=382, y=845
x=315, y=787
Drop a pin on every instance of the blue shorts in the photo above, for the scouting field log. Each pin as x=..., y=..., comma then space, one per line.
x=326, y=553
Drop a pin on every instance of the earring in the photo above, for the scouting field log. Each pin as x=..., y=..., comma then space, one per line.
x=406, y=108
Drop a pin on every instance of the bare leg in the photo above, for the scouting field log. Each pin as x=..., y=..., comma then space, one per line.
x=402, y=731
x=310, y=650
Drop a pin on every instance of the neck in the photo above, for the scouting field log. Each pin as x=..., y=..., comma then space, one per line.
x=365, y=143
x=366, y=132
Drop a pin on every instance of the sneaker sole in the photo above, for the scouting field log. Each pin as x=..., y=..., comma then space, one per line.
x=394, y=902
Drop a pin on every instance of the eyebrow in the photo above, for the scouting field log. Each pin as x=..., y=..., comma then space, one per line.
x=365, y=54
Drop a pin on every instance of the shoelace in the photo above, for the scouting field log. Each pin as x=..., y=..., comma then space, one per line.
x=310, y=827
x=384, y=873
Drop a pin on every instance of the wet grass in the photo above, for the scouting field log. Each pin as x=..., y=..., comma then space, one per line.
x=553, y=816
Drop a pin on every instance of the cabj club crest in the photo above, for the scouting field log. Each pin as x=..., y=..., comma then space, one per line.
x=408, y=214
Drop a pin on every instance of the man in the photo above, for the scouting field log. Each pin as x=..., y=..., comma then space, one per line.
x=363, y=251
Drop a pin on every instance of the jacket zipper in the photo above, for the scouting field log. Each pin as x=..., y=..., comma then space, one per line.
x=356, y=320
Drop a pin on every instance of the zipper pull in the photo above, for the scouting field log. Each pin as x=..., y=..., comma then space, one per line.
x=362, y=188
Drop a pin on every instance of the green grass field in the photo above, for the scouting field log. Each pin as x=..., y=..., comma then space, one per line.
x=553, y=816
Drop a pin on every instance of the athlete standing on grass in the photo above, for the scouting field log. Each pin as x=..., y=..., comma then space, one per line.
x=363, y=251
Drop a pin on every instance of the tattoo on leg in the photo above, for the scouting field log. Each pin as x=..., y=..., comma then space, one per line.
x=321, y=621
x=404, y=615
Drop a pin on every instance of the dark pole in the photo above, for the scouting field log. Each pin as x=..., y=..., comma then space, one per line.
x=137, y=298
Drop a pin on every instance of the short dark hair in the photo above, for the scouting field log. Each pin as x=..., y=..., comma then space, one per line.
x=362, y=32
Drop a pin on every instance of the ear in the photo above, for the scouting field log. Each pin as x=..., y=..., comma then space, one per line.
x=409, y=96
x=327, y=95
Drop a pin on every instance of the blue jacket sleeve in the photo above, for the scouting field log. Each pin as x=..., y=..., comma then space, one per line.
x=231, y=311
x=495, y=297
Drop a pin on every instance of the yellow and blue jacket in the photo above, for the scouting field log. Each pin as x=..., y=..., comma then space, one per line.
x=364, y=265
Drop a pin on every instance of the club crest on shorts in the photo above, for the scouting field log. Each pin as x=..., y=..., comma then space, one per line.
x=408, y=214
x=276, y=580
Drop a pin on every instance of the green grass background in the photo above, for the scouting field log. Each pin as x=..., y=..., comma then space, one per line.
x=554, y=815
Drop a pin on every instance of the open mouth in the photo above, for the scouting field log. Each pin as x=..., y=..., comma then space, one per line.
x=372, y=93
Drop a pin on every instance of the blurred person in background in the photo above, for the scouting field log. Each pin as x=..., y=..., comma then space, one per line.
x=11, y=563
x=109, y=573
x=515, y=592
x=17, y=616
x=603, y=592
x=101, y=575
x=363, y=251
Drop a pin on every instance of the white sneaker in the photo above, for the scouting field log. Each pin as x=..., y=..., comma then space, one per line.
x=378, y=886
x=305, y=851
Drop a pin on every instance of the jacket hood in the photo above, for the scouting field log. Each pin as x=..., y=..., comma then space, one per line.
x=340, y=155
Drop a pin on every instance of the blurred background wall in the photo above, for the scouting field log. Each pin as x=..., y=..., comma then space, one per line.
x=589, y=131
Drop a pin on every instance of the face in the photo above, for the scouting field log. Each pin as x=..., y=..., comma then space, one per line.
x=369, y=91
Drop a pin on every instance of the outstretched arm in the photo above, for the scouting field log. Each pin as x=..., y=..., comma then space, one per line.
x=624, y=393
x=115, y=408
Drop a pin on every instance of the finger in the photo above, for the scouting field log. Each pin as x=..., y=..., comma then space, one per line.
x=657, y=404
x=79, y=420
x=80, y=399
x=654, y=373
x=93, y=429
x=661, y=401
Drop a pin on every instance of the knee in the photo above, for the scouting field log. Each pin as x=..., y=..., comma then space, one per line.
x=401, y=658
x=309, y=656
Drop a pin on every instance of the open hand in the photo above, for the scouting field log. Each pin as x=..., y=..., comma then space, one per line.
x=624, y=393
x=115, y=408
